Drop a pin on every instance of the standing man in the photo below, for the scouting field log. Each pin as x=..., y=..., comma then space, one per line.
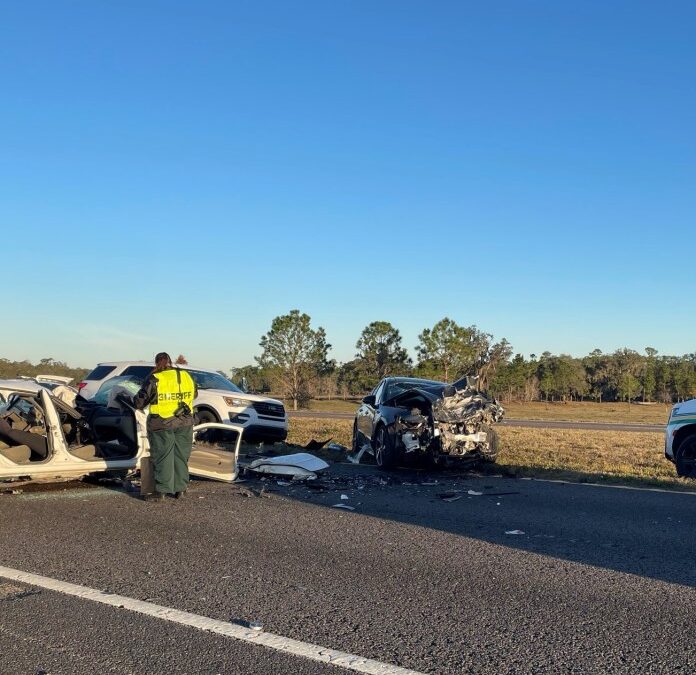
x=169, y=392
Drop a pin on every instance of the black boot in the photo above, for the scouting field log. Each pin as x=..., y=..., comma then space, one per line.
x=154, y=497
x=179, y=495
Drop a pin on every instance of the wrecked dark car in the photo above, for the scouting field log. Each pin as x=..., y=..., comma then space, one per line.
x=407, y=418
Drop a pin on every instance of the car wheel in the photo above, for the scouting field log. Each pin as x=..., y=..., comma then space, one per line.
x=686, y=457
x=205, y=416
x=384, y=448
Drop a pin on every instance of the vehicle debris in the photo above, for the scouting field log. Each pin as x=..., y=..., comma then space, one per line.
x=357, y=456
x=300, y=465
x=316, y=445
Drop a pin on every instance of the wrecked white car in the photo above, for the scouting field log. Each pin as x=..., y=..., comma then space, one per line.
x=407, y=418
x=42, y=437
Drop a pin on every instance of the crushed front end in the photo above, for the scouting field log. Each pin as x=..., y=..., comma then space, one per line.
x=463, y=423
x=457, y=424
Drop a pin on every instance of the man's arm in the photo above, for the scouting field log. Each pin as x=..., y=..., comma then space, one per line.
x=147, y=393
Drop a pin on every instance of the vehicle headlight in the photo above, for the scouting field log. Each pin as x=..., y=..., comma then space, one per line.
x=236, y=402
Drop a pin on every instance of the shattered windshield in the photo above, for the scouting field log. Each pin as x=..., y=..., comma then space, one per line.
x=399, y=386
x=131, y=383
x=206, y=380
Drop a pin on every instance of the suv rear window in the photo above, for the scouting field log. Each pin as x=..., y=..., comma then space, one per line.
x=100, y=372
x=137, y=372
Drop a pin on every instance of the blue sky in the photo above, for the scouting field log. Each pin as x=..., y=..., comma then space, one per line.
x=174, y=175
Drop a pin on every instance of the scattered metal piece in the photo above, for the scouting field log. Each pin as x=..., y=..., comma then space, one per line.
x=316, y=445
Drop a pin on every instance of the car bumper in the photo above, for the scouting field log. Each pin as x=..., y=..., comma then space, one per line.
x=669, y=452
x=260, y=429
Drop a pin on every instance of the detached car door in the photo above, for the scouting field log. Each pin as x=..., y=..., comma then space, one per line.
x=215, y=451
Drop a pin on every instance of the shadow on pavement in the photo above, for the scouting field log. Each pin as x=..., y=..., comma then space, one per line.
x=643, y=532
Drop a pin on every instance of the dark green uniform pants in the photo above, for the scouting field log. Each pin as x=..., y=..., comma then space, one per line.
x=170, y=450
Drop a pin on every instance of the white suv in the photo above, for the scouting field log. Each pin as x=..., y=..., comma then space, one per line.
x=218, y=400
x=680, y=438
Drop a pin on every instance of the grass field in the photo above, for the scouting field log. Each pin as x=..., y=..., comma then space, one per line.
x=585, y=411
x=627, y=458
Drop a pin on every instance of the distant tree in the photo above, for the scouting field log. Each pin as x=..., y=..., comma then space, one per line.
x=294, y=353
x=626, y=366
x=685, y=377
x=181, y=360
x=450, y=350
x=495, y=356
x=380, y=353
x=648, y=379
x=596, y=373
x=257, y=379
x=350, y=379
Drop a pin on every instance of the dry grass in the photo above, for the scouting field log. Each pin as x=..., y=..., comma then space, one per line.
x=304, y=429
x=587, y=411
x=334, y=405
x=567, y=454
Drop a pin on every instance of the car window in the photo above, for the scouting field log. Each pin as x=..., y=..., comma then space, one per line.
x=378, y=392
x=206, y=380
x=100, y=372
x=140, y=372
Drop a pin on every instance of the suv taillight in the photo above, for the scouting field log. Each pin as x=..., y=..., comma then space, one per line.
x=81, y=386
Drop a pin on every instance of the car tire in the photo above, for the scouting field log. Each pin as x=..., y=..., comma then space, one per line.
x=491, y=454
x=384, y=448
x=686, y=457
x=205, y=416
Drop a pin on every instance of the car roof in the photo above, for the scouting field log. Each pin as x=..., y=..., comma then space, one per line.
x=413, y=379
x=27, y=386
x=187, y=366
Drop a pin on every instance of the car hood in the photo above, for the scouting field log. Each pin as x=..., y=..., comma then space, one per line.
x=233, y=394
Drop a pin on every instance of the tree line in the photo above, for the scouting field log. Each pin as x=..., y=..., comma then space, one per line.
x=48, y=366
x=295, y=363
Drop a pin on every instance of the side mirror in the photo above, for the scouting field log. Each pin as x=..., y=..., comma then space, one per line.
x=369, y=400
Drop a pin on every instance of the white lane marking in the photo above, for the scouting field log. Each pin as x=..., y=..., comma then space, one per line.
x=79, y=493
x=606, y=485
x=280, y=643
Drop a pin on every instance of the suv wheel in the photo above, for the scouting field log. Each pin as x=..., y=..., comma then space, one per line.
x=686, y=457
x=205, y=416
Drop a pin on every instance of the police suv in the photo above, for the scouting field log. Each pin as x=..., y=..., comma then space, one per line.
x=680, y=438
x=218, y=400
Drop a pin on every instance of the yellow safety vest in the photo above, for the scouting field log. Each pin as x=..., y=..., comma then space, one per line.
x=174, y=386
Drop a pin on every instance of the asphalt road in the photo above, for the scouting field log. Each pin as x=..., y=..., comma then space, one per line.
x=511, y=422
x=601, y=580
